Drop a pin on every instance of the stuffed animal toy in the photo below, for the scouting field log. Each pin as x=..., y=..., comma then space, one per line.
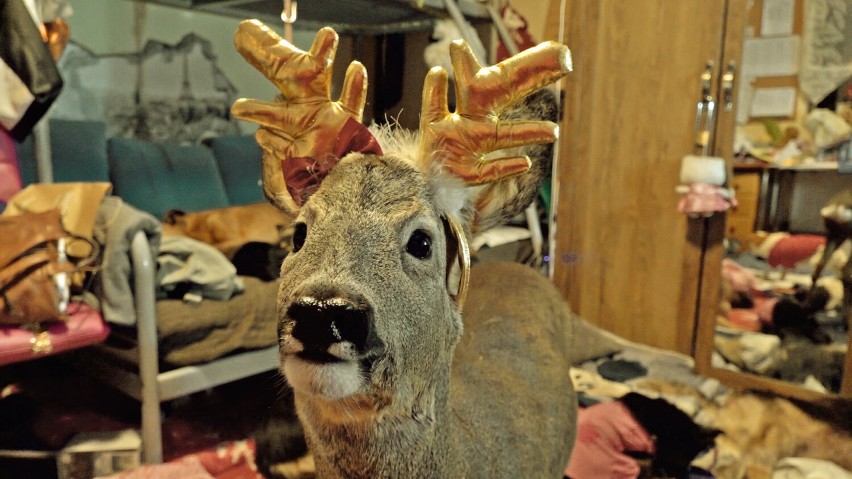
x=785, y=250
x=826, y=127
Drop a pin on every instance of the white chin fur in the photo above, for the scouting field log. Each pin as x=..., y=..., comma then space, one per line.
x=332, y=381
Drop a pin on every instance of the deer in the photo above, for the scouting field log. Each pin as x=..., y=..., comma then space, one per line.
x=837, y=219
x=404, y=360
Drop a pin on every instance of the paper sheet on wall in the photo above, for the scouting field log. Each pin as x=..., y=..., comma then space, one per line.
x=745, y=92
x=769, y=57
x=777, y=17
x=773, y=102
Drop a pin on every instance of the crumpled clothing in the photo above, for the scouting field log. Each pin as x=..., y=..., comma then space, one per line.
x=755, y=352
x=205, y=270
x=807, y=468
x=741, y=279
x=827, y=128
x=701, y=199
x=115, y=226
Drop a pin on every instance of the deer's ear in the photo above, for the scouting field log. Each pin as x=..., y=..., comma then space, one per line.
x=497, y=203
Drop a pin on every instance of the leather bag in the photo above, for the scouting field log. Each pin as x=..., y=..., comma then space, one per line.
x=77, y=201
x=34, y=270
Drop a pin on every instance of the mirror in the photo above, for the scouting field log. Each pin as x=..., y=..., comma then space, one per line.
x=792, y=175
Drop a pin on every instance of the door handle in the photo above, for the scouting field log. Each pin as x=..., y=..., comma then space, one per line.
x=705, y=111
x=707, y=80
x=728, y=86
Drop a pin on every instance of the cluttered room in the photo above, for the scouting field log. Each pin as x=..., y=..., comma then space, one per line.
x=272, y=239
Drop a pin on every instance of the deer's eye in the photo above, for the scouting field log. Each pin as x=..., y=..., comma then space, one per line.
x=300, y=232
x=419, y=245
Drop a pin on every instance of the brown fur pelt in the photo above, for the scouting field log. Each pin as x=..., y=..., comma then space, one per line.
x=226, y=229
x=759, y=429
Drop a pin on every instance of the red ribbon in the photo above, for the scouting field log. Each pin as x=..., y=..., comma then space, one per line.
x=304, y=174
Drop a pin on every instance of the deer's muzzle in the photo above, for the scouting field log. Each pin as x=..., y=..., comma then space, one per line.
x=332, y=330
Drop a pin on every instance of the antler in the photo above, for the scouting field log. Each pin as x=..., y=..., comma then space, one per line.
x=303, y=133
x=462, y=139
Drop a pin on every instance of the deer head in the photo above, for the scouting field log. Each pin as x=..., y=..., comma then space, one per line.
x=369, y=317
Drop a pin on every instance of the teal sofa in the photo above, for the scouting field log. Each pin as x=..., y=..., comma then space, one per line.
x=152, y=177
x=155, y=178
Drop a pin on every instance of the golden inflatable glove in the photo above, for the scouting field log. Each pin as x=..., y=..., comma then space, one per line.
x=461, y=140
x=302, y=127
x=303, y=122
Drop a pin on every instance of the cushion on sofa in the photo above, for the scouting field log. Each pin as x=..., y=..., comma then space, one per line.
x=78, y=152
x=158, y=177
x=239, y=159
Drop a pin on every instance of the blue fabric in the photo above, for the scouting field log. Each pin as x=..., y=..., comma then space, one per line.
x=158, y=177
x=152, y=177
x=77, y=149
x=239, y=159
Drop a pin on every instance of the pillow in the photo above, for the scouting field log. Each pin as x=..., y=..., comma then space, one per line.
x=78, y=152
x=158, y=177
x=239, y=159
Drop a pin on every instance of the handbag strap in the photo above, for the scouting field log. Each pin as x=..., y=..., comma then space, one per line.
x=38, y=257
x=21, y=233
x=11, y=272
x=94, y=251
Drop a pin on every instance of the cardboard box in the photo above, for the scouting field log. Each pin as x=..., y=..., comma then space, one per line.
x=94, y=454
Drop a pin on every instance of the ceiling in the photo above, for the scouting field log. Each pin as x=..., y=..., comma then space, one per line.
x=368, y=17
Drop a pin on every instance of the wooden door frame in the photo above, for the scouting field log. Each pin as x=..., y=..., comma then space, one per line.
x=585, y=34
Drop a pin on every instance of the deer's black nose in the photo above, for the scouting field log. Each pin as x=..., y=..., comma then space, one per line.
x=321, y=323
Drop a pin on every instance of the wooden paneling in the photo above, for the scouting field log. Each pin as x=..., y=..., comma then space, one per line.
x=625, y=258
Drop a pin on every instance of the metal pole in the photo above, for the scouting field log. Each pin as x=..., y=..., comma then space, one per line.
x=288, y=16
x=531, y=213
x=41, y=151
x=466, y=30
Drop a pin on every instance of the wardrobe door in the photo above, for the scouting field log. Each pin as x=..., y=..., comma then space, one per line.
x=623, y=255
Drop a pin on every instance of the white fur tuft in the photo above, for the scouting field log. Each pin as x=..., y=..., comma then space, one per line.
x=449, y=192
x=396, y=140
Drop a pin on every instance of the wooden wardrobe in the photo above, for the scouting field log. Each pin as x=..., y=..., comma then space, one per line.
x=625, y=258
